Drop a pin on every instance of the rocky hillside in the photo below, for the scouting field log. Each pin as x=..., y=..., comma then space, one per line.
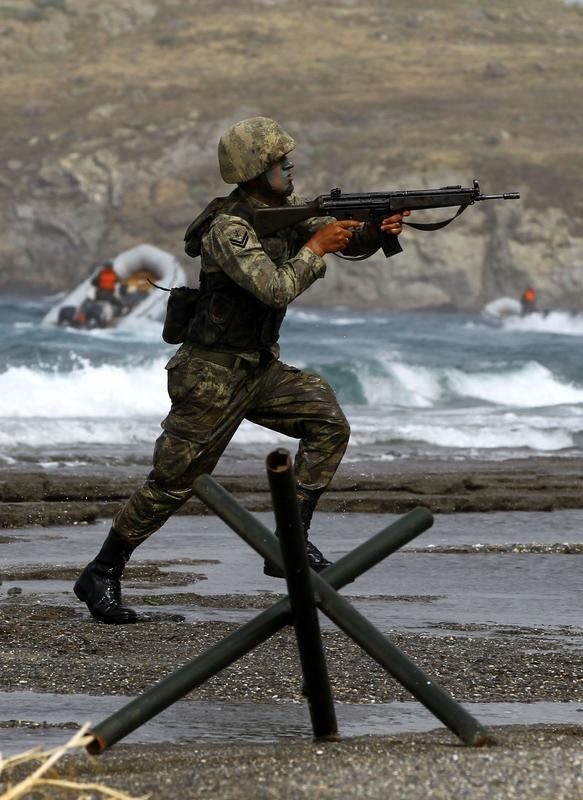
x=112, y=111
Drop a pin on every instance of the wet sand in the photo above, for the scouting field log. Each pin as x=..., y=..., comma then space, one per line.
x=538, y=763
x=50, y=646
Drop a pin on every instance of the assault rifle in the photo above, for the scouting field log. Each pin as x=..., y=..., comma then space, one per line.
x=375, y=206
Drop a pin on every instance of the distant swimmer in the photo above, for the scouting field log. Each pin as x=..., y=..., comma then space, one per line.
x=528, y=301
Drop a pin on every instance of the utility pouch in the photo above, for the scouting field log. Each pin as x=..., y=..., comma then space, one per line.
x=179, y=311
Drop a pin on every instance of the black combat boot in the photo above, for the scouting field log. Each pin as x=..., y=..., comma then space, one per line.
x=99, y=583
x=316, y=558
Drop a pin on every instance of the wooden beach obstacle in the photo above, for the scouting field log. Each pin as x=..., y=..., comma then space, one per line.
x=307, y=591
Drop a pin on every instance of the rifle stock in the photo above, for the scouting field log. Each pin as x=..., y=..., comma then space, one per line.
x=267, y=223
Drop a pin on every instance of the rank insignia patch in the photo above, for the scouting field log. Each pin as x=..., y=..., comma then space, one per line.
x=239, y=237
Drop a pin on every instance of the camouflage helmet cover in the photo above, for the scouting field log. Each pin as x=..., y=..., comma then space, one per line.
x=250, y=147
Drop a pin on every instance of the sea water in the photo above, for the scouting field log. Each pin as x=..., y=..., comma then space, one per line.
x=420, y=385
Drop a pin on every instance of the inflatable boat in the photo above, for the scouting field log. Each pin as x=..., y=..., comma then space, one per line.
x=502, y=308
x=133, y=296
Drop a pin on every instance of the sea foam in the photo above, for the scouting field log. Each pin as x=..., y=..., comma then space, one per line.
x=90, y=391
x=114, y=391
x=530, y=386
x=556, y=322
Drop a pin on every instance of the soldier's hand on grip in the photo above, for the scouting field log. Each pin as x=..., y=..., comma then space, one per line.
x=393, y=224
x=332, y=237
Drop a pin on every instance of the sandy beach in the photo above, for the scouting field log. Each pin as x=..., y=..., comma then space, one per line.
x=500, y=651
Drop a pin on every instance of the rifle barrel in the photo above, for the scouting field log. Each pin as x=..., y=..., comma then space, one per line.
x=504, y=196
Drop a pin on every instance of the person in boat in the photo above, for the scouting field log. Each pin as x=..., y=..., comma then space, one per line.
x=106, y=284
x=228, y=367
x=528, y=301
x=92, y=314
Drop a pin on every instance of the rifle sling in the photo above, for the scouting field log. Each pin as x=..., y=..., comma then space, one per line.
x=420, y=226
x=435, y=226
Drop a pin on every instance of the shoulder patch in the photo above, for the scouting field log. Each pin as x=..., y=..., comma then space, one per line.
x=239, y=236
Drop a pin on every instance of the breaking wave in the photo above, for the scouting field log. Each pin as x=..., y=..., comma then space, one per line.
x=409, y=383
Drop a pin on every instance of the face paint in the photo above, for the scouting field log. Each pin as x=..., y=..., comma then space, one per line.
x=280, y=177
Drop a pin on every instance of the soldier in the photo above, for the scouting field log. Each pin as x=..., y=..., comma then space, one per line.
x=106, y=283
x=228, y=367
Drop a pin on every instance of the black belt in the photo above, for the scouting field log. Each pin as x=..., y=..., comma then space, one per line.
x=232, y=361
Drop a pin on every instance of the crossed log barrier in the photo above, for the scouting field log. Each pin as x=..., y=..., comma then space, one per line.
x=307, y=591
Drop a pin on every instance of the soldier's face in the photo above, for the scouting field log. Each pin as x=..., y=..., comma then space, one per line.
x=280, y=177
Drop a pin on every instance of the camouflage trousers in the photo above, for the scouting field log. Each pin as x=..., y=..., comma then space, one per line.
x=209, y=402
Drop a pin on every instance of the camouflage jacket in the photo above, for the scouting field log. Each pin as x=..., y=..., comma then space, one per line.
x=246, y=282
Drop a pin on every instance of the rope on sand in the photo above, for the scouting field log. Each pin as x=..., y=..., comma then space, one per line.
x=48, y=758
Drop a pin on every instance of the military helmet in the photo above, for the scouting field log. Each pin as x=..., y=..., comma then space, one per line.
x=250, y=147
